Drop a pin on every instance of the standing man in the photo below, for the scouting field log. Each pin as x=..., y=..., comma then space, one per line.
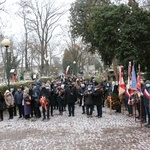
x=18, y=97
x=89, y=101
x=81, y=97
x=2, y=104
x=71, y=98
x=44, y=97
x=147, y=101
x=97, y=100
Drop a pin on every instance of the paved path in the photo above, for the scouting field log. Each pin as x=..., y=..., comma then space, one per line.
x=111, y=132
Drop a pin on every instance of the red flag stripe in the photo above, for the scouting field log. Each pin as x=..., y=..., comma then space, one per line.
x=146, y=94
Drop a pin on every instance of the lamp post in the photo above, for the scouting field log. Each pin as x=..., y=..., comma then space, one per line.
x=74, y=65
x=47, y=66
x=6, y=43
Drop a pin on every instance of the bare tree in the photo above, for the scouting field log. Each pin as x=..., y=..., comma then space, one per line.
x=42, y=19
x=1, y=4
x=24, y=13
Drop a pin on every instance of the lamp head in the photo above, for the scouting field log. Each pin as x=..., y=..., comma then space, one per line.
x=6, y=42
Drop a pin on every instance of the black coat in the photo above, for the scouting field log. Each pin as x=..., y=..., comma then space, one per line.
x=97, y=97
x=88, y=99
x=44, y=92
x=70, y=95
x=2, y=102
x=52, y=97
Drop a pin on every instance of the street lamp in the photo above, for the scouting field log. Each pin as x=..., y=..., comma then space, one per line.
x=47, y=66
x=6, y=43
x=74, y=63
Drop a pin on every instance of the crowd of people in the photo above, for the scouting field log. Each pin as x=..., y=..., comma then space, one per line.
x=40, y=99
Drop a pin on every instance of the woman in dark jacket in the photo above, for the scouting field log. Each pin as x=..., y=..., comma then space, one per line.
x=2, y=106
x=97, y=100
x=27, y=104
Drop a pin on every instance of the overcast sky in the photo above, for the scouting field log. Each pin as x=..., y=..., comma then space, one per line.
x=12, y=25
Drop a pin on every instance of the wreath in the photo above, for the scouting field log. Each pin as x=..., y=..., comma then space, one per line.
x=44, y=102
x=114, y=99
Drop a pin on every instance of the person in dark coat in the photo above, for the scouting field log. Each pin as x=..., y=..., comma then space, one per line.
x=18, y=97
x=60, y=99
x=52, y=101
x=71, y=98
x=2, y=105
x=27, y=104
x=44, y=98
x=36, y=93
x=81, y=97
x=146, y=97
x=55, y=95
x=12, y=90
x=89, y=101
x=32, y=101
x=97, y=100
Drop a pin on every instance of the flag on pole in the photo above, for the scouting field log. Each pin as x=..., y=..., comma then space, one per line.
x=129, y=76
x=128, y=87
x=121, y=82
x=147, y=95
x=127, y=93
x=67, y=69
x=134, y=82
x=138, y=86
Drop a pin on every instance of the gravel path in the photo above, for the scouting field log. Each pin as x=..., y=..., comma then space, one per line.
x=111, y=132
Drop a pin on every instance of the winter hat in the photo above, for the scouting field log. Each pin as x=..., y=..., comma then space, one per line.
x=62, y=86
x=7, y=91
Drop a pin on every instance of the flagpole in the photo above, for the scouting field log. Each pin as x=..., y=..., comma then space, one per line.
x=135, y=108
x=140, y=100
x=121, y=87
x=110, y=106
x=129, y=81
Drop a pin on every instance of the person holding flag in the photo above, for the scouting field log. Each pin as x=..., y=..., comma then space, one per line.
x=121, y=82
x=133, y=91
x=147, y=101
x=128, y=99
x=121, y=86
x=140, y=102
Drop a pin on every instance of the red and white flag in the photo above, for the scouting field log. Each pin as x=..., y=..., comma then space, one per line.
x=67, y=69
x=129, y=75
x=146, y=94
x=121, y=82
x=128, y=86
x=138, y=86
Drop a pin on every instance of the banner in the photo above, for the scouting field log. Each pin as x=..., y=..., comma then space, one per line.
x=121, y=82
x=138, y=86
x=134, y=83
x=67, y=69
